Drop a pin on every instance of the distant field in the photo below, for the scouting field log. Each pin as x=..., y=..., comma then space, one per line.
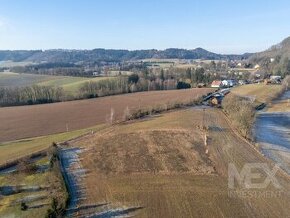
x=117, y=72
x=14, y=64
x=70, y=85
x=260, y=92
x=38, y=120
x=9, y=79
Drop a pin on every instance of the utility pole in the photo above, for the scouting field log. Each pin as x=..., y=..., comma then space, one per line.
x=204, y=131
x=203, y=119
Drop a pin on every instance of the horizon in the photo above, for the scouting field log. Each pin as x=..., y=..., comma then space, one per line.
x=116, y=49
x=219, y=27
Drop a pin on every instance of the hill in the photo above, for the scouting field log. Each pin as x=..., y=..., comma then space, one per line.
x=74, y=56
x=281, y=50
x=275, y=59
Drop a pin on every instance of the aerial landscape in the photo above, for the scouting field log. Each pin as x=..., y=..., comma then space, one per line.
x=144, y=109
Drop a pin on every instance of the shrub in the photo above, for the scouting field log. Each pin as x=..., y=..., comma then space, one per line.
x=56, y=210
x=23, y=206
x=142, y=112
x=241, y=112
x=25, y=166
x=183, y=85
x=286, y=83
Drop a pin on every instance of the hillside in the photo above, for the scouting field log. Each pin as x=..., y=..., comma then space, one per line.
x=275, y=59
x=281, y=50
x=74, y=56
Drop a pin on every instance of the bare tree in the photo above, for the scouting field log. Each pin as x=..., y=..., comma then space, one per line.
x=127, y=114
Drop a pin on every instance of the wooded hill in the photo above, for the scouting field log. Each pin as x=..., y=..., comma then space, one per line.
x=275, y=60
x=74, y=56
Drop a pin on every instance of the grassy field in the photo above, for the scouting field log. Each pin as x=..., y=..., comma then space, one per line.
x=10, y=79
x=70, y=85
x=159, y=167
x=282, y=104
x=15, y=64
x=46, y=186
x=260, y=92
x=279, y=106
x=39, y=120
x=20, y=148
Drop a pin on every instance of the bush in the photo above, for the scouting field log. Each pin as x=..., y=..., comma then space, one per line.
x=133, y=78
x=183, y=85
x=241, y=112
x=25, y=166
x=23, y=206
x=142, y=112
x=60, y=201
x=286, y=83
x=56, y=211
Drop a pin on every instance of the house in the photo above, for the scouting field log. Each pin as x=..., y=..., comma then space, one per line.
x=216, y=84
x=228, y=83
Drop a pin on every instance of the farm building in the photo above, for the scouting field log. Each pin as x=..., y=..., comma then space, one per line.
x=216, y=84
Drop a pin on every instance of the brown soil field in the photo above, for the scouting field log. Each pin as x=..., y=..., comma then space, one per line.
x=158, y=167
x=38, y=120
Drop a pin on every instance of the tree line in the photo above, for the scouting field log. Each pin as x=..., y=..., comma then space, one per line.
x=122, y=85
x=30, y=95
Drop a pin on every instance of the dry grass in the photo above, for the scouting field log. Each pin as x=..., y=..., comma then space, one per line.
x=160, y=165
x=17, y=149
x=279, y=106
x=260, y=92
x=52, y=187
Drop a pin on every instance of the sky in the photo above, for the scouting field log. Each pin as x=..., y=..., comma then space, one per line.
x=221, y=26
